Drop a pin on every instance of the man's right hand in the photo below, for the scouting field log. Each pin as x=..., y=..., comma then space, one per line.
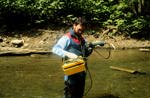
x=71, y=55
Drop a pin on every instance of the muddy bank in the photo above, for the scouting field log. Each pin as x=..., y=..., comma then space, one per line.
x=42, y=42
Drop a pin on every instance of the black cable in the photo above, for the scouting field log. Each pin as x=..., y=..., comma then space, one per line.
x=109, y=52
x=91, y=83
x=87, y=69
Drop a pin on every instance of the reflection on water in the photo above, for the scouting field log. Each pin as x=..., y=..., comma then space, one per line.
x=42, y=76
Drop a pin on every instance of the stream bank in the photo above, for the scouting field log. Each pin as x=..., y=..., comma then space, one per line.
x=42, y=42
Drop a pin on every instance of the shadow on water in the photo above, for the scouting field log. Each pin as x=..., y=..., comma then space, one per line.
x=107, y=96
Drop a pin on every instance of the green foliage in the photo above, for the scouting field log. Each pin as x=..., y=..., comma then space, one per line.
x=130, y=17
x=127, y=21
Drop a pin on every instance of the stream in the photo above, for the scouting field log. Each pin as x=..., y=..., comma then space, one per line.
x=41, y=76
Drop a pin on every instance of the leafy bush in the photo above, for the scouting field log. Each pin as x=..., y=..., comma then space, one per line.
x=128, y=16
x=126, y=21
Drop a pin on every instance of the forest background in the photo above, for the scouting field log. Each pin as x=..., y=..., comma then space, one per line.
x=123, y=17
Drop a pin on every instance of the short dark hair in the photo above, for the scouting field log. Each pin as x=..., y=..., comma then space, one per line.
x=80, y=20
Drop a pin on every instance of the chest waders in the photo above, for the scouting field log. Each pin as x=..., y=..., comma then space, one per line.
x=75, y=71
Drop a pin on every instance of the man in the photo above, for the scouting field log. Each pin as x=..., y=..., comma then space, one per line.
x=70, y=46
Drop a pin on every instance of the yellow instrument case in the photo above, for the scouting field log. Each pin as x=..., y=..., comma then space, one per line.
x=73, y=67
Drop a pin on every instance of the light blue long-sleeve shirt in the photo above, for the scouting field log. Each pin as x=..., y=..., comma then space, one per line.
x=60, y=47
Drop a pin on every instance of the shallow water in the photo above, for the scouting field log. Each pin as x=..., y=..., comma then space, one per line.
x=42, y=76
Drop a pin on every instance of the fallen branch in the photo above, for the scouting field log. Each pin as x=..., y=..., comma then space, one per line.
x=123, y=69
x=22, y=52
x=127, y=70
x=144, y=50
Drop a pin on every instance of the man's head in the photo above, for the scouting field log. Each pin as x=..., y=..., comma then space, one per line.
x=79, y=26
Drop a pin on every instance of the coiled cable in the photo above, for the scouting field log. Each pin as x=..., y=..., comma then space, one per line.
x=110, y=46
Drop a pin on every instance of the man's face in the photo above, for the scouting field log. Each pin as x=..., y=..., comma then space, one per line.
x=78, y=29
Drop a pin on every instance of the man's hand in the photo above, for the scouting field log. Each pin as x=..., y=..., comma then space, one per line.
x=71, y=55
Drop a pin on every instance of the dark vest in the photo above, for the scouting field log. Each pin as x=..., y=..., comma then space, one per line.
x=77, y=45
